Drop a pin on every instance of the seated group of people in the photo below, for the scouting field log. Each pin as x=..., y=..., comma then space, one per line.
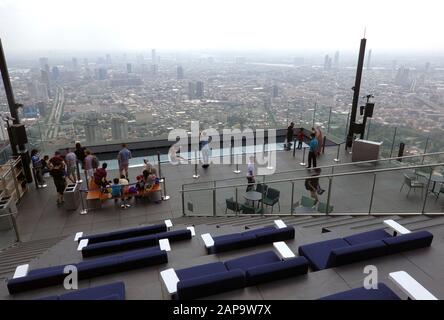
x=121, y=188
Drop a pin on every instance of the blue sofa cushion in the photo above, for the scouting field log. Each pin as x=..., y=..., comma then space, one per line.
x=87, y=269
x=358, y=252
x=127, y=233
x=276, y=270
x=255, y=231
x=364, y=237
x=233, y=242
x=275, y=234
x=116, y=291
x=253, y=260
x=318, y=253
x=133, y=243
x=201, y=270
x=382, y=293
x=409, y=241
x=210, y=284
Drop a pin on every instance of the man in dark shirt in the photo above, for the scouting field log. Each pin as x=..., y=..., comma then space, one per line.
x=290, y=133
x=57, y=160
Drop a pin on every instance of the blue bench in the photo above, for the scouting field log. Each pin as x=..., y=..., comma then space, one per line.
x=112, y=291
x=247, y=239
x=133, y=243
x=362, y=246
x=55, y=275
x=124, y=234
x=381, y=293
x=203, y=280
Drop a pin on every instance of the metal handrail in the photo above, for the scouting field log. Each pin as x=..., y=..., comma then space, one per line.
x=14, y=224
x=338, y=165
x=321, y=176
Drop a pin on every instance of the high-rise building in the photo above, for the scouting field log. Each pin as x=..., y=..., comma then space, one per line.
x=179, y=73
x=55, y=73
x=191, y=90
x=101, y=74
x=336, y=60
x=153, y=56
x=92, y=131
x=43, y=61
x=327, y=62
x=402, y=76
x=108, y=59
x=74, y=63
x=275, y=91
x=119, y=128
x=199, y=89
x=369, y=60
x=154, y=69
x=46, y=81
x=129, y=68
x=33, y=90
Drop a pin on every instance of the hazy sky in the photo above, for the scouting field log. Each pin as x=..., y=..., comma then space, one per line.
x=30, y=25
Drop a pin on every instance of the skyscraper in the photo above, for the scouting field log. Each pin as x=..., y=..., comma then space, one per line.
x=191, y=90
x=369, y=59
x=199, y=89
x=43, y=61
x=101, y=74
x=92, y=131
x=129, y=68
x=327, y=62
x=179, y=73
x=55, y=73
x=119, y=128
x=46, y=81
x=275, y=91
x=336, y=60
x=153, y=56
x=74, y=63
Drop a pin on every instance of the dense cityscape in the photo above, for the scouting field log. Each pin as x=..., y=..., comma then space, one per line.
x=126, y=97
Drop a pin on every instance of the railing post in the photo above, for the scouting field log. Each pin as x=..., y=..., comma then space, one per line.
x=427, y=190
x=237, y=212
x=346, y=127
x=314, y=114
x=165, y=197
x=303, y=157
x=214, y=198
x=78, y=172
x=263, y=194
x=393, y=143
x=158, y=164
x=14, y=226
x=183, y=202
x=328, y=123
x=292, y=198
x=323, y=144
x=82, y=201
x=368, y=128
x=337, y=154
x=196, y=174
x=294, y=148
x=329, y=194
x=425, y=149
x=373, y=192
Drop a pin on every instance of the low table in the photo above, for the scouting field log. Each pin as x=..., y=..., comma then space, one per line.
x=253, y=196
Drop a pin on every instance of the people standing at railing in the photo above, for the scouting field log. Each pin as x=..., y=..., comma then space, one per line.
x=71, y=164
x=312, y=185
x=313, y=149
x=38, y=166
x=58, y=174
x=205, y=149
x=250, y=174
x=300, y=137
x=290, y=135
x=123, y=159
x=320, y=139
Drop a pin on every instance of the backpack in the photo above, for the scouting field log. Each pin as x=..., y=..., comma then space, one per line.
x=95, y=162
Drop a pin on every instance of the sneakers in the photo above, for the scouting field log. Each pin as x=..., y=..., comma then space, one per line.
x=43, y=185
x=321, y=191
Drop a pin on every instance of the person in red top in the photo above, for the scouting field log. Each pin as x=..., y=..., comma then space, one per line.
x=57, y=160
x=100, y=175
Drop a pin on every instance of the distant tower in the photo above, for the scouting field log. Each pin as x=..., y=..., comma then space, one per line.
x=101, y=74
x=369, y=60
x=92, y=131
x=191, y=90
x=275, y=91
x=119, y=128
x=199, y=89
x=129, y=68
x=32, y=90
x=336, y=60
x=327, y=62
x=45, y=81
x=179, y=73
x=153, y=56
x=43, y=61
x=108, y=59
x=55, y=73
x=74, y=63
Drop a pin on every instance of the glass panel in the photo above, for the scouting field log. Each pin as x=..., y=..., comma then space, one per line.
x=199, y=203
x=435, y=193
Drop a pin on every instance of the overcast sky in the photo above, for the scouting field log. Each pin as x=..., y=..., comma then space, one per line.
x=392, y=25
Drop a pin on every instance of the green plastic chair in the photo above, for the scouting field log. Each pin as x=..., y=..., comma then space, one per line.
x=322, y=208
x=307, y=202
x=232, y=205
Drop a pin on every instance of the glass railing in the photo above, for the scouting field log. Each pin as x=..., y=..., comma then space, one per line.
x=406, y=189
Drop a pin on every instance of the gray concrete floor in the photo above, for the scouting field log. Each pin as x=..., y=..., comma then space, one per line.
x=39, y=217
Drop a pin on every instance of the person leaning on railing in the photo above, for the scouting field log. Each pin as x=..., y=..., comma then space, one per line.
x=38, y=168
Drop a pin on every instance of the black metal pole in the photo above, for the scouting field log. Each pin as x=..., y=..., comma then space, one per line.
x=26, y=159
x=356, y=90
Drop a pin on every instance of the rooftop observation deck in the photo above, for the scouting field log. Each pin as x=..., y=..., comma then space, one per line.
x=40, y=219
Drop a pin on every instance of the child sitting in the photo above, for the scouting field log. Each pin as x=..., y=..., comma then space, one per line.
x=116, y=190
